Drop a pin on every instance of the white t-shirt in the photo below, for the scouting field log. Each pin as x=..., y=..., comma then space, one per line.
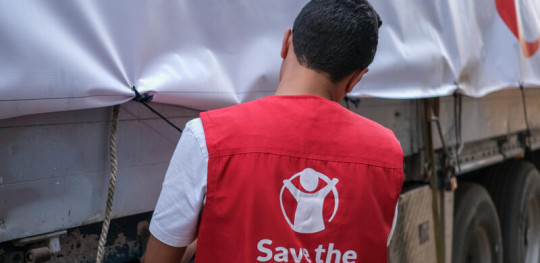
x=183, y=193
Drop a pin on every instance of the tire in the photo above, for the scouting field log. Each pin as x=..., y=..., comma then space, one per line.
x=477, y=234
x=515, y=189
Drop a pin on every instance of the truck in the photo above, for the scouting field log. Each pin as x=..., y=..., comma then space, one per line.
x=92, y=91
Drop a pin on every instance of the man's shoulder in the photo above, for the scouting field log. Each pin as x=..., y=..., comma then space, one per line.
x=194, y=125
x=374, y=137
x=365, y=125
x=226, y=113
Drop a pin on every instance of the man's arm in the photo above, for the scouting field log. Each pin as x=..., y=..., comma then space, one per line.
x=159, y=252
x=175, y=219
x=190, y=252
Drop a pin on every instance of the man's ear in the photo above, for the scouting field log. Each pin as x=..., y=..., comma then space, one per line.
x=287, y=39
x=355, y=78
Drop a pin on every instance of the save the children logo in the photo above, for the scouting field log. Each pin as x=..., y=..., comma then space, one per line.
x=308, y=216
x=310, y=191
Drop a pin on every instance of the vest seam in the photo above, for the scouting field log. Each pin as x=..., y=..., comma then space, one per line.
x=210, y=147
x=381, y=165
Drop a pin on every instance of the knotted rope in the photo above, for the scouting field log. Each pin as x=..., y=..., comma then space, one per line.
x=112, y=184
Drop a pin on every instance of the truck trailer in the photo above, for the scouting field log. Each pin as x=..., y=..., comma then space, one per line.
x=93, y=89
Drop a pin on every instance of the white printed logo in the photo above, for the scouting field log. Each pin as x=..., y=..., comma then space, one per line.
x=308, y=217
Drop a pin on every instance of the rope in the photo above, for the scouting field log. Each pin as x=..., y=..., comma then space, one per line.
x=525, y=137
x=114, y=168
x=458, y=106
x=112, y=183
x=525, y=108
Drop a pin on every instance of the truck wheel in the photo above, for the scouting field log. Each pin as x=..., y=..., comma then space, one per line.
x=515, y=190
x=477, y=234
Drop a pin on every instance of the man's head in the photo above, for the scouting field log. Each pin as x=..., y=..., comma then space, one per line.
x=333, y=43
x=337, y=37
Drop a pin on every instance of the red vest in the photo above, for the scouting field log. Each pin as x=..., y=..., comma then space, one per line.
x=297, y=179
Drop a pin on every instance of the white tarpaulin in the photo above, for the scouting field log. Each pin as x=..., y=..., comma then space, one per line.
x=64, y=55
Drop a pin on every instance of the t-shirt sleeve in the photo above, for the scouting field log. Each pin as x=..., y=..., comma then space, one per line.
x=183, y=193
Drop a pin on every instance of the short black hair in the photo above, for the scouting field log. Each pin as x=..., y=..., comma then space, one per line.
x=336, y=36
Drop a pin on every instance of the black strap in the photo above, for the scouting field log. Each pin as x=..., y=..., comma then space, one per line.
x=144, y=99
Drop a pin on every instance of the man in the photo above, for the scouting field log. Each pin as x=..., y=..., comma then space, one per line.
x=293, y=177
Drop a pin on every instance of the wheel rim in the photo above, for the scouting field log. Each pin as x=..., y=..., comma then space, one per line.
x=532, y=231
x=479, y=248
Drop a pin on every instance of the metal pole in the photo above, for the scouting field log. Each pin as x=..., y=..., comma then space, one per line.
x=431, y=169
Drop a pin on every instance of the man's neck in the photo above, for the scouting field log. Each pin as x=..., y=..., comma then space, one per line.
x=303, y=81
